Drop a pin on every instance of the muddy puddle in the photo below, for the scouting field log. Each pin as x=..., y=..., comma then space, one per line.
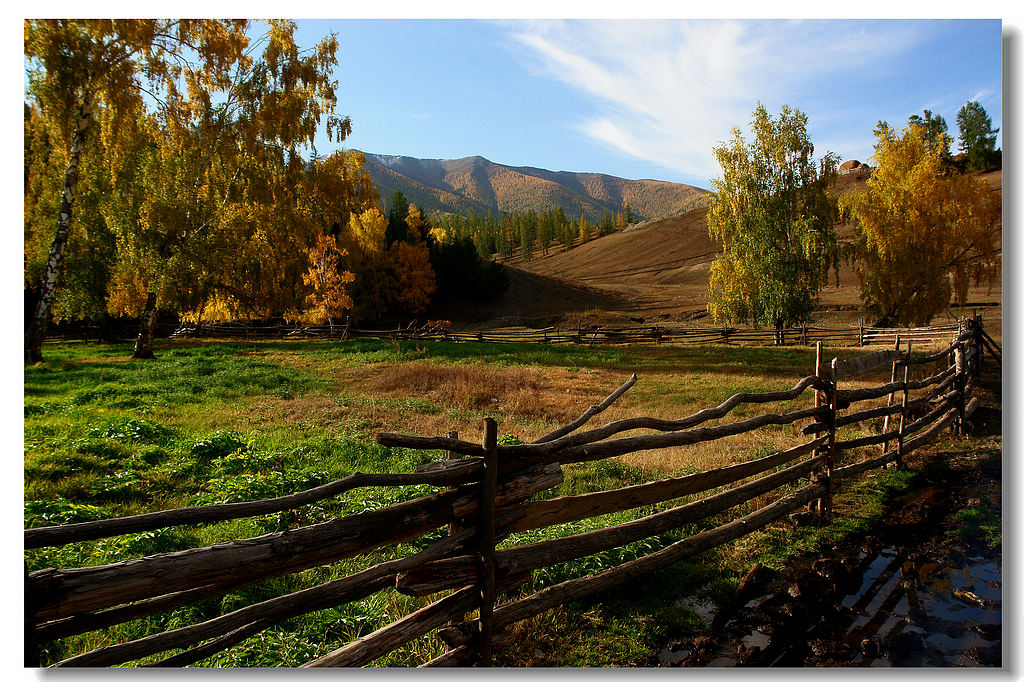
x=886, y=606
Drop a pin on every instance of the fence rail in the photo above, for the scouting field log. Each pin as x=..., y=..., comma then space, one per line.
x=488, y=495
x=805, y=335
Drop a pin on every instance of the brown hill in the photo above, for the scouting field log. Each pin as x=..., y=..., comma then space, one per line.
x=658, y=272
x=474, y=184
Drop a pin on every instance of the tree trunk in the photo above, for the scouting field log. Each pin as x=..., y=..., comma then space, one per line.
x=147, y=330
x=36, y=329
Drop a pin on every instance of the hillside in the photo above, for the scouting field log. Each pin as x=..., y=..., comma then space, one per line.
x=474, y=184
x=658, y=272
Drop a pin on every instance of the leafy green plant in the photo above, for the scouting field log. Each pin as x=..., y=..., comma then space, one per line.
x=59, y=511
x=219, y=444
x=134, y=431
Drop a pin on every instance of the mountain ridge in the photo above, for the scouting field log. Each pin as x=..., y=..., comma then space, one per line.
x=473, y=184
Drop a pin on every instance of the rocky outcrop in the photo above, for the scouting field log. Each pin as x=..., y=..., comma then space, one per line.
x=854, y=167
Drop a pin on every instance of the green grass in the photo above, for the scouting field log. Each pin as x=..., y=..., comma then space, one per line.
x=107, y=437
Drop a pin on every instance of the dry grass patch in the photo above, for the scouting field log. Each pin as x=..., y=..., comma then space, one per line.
x=477, y=387
x=549, y=395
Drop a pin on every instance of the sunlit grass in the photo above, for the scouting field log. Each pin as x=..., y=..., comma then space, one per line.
x=211, y=421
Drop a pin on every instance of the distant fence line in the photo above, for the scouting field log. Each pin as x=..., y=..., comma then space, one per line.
x=486, y=496
x=806, y=335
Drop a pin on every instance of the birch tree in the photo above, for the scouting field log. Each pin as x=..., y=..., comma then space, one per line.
x=774, y=217
x=79, y=68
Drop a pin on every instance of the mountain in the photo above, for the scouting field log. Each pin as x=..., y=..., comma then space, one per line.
x=474, y=184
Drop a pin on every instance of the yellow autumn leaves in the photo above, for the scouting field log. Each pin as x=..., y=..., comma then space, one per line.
x=923, y=232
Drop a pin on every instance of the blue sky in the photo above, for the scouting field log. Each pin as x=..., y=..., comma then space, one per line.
x=646, y=98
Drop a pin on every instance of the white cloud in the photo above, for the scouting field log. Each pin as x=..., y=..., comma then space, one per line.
x=668, y=91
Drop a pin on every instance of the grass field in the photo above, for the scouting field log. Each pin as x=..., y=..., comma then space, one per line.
x=215, y=422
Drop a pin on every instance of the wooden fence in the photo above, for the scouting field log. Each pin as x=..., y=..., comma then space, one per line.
x=805, y=335
x=488, y=494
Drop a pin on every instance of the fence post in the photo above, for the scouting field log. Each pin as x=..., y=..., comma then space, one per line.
x=888, y=401
x=831, y=457
x=958, y=359
x=488, y=492
x=803, y=335
x=978, y=346
x=903, y=409
x=821, y=398
x=454, y=526
x=860, y=335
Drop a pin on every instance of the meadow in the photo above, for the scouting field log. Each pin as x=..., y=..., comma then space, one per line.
x=210, y=422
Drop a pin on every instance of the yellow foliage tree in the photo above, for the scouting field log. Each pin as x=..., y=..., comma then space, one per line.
x=84, y=71
x=922, y=234
x=328, y=297
x=366, y=232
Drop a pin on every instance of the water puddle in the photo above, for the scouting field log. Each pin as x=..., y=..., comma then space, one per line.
x=881, y=608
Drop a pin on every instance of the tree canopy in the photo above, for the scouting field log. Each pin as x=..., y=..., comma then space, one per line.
x=774, y=217
x=210, y=199
x=110, y=70
x=936, y=132
x=922, y=233
x=977, y=138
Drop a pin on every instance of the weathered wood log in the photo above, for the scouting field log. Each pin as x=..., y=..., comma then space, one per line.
x=537, y=451
x=932, y=415
x=591, y=412
x=541, y=450
x=54, y=536
x=892, y=379
x=400, y=440
x=451, y=658
x=937, y=388
x=87, y=622
x=908, y=446
x=852, y=418
x=621, y=446
x=71, y=591
x=571, y=508
x=546, y=553
x=31, y=642
x=853, y=443
x=851, y=470
x=456, y=571
x=390, y=637
x=904, y=413
x=340, y=591
x=578, y=588
x=527, y=482
x=931, y=434
x=971, y=407
x=866, y=363
x=894, y=433
x=855, y=395
x=210, y=648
